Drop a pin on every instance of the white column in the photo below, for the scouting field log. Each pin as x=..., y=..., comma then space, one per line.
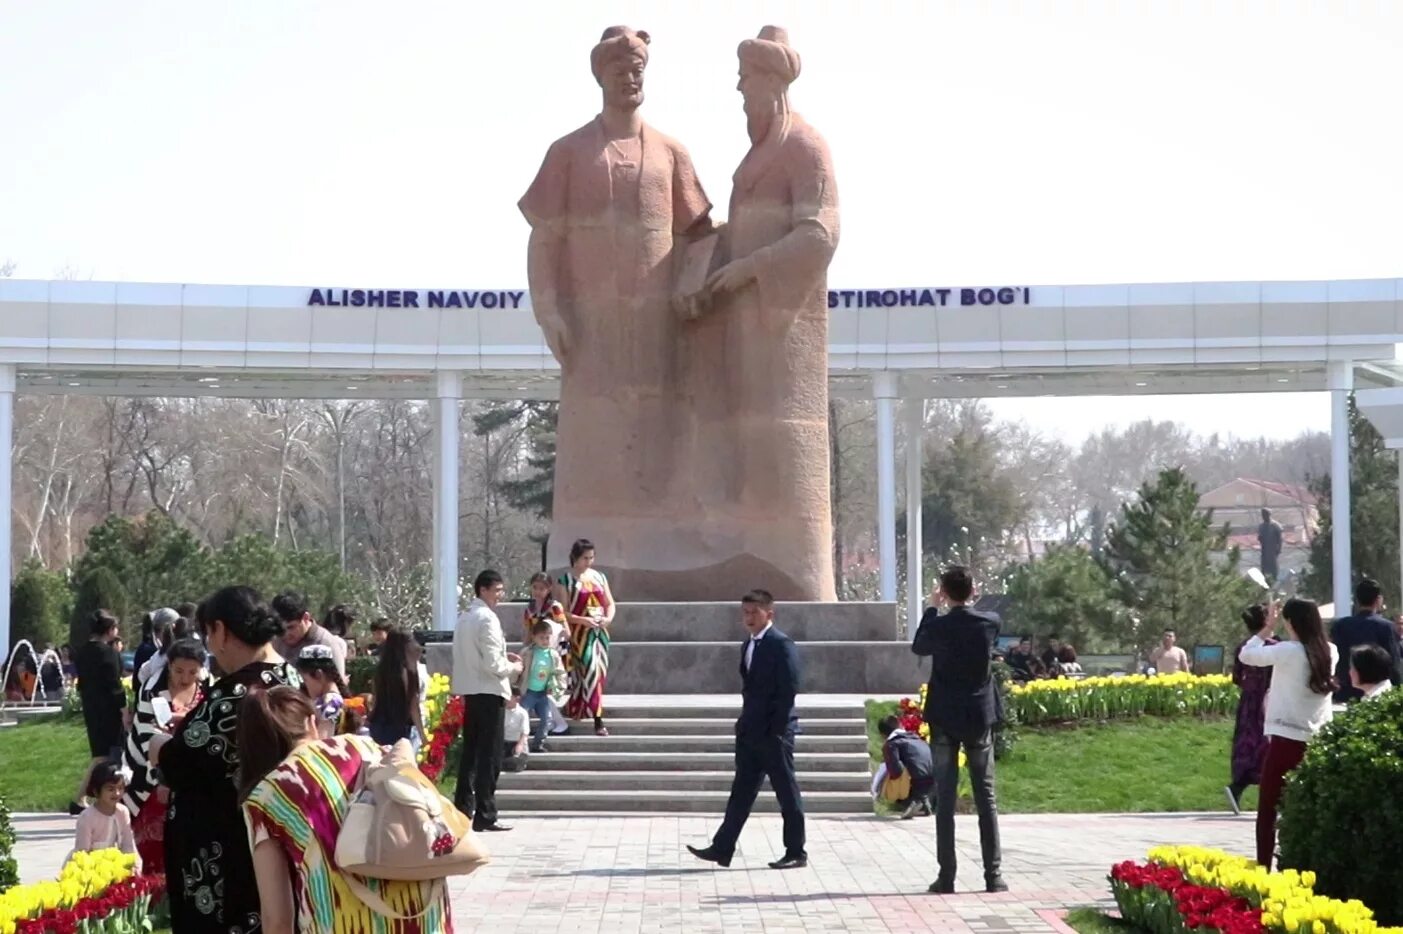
x=884, y=388
x=915, y=586
x=1341, y=382
x=446, y=417
x=7, y=440
x=1400, y=513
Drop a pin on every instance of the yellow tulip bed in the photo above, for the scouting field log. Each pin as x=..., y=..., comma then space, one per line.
x=1187, y=887
x=1066, y=700
x=434, y=704
x=96, y=893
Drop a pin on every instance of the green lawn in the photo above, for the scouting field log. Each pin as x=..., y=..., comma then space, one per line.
x=1150, y=764
x=1146, y=764
x=41, y=763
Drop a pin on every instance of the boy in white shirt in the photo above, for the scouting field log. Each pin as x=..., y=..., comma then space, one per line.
x=516, y=726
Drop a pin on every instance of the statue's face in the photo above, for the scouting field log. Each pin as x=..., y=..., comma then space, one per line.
x=623, y=83
x=759, y=91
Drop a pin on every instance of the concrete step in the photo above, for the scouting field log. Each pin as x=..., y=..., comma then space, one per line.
x=717, y=707
x=667, y=760
x=632, y=724
x=720, y=622
x=588, y=743
x=546, y=780
x=826, y=667
x=511, y=800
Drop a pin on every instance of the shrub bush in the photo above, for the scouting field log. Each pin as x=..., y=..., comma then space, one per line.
x=9, y=869
x=1342, y=814
x=360, y=673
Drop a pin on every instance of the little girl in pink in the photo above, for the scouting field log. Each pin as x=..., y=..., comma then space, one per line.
x=105, y=824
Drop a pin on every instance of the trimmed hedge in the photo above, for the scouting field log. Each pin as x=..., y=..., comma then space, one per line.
x=9, y=869
x=1342, y=814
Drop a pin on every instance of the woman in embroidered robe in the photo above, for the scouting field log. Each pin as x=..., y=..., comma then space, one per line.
x=209, y=871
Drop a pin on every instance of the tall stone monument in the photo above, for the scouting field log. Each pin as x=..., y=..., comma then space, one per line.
x=711, y=474
x=607, y=208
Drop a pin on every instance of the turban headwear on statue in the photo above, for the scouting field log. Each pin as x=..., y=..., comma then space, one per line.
x=770, y=53
x=618, y=42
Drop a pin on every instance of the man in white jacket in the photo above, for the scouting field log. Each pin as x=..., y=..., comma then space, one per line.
x=482, y=669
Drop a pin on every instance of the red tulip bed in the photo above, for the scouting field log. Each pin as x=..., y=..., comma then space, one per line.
x=1160, y=900
x=124, y=907
x=435, y=756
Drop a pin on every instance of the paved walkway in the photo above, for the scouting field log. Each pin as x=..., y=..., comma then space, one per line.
x=617, y=875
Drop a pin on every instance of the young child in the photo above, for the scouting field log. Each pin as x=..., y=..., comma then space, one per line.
x=906, y=753
x=542, y=606
x=542, y=672
x=515, y=725
x=324, y=685
x=106, y=824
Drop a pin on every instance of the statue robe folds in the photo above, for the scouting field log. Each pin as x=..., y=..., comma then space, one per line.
x=757, y=374
x=605, y=219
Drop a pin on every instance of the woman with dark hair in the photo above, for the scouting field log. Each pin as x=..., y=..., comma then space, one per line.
x=1249, y=743
x=589, y=603
x=209, y=872
x=99, y=670
x=164, y=700
x=296, y=788
x=339, y=620
x=396, y=712
x=1298, y=704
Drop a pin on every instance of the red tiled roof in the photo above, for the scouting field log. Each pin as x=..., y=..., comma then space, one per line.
x=1300, y=494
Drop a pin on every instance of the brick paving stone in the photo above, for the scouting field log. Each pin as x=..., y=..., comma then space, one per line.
x=600, y=874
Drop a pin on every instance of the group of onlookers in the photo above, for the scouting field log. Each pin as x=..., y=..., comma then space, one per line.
x=1057, y=660
x=1291, y=687
x=254, y=696
x=558, y=676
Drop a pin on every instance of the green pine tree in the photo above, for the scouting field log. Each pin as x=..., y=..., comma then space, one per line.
x=1373, y=494
x=1163, y=557
x=1067, y=592
x=534, y=489
x=40, y=606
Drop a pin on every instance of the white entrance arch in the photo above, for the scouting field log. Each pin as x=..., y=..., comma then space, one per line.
x=897, y=345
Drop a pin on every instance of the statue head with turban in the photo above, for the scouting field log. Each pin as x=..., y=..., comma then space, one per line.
x=768, y=65
x=618, y=61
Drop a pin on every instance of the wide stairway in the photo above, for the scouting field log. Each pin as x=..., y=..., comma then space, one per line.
x=675, y=753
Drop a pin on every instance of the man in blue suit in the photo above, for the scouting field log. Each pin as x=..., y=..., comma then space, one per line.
x=769, y=671
x=962, y=708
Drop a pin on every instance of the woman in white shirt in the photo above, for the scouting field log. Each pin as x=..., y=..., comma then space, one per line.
x=1298, y=704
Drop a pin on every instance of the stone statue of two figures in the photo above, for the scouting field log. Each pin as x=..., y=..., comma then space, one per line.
x=692, y=446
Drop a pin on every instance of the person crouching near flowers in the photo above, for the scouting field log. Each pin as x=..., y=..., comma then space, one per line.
x=1299, y=704
x=106, y=824
x=295, y=788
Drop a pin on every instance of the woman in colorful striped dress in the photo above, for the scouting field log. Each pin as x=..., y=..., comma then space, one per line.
x=296, y=790
x=586, y=593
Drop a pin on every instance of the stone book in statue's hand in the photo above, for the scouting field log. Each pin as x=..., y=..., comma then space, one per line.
x=689, y=294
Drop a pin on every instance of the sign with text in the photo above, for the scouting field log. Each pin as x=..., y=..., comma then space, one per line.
x=517, y=299
x=939, y=298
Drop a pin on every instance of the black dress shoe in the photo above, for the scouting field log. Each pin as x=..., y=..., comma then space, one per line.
x=942, y=887
x=493, y=827
x=711, y=855
x=995, y=883
x=790, y=862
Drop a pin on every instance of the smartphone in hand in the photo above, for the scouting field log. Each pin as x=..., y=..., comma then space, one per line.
x=162, y=709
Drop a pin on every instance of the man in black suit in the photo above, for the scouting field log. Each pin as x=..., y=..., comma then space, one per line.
x=769, y=670
x=1366, y=627
x=961, y=708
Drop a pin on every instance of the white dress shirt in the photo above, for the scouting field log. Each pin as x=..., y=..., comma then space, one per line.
x=480, y=663
x=750, y=649
x=1378, y=690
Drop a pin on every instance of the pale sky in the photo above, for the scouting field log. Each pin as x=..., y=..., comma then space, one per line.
x=330, y=143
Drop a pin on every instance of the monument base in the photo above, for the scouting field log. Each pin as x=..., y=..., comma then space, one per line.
x=695, y=648
x=649, y=560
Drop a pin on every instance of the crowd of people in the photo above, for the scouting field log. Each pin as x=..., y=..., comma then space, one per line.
x=203, y=773
x=1292, y=684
